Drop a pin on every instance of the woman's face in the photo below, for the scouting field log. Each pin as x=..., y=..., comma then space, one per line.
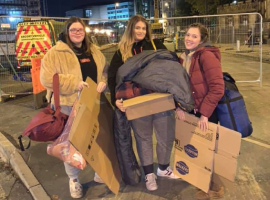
x=139, y=31
x=76, y=33
x=192, y=38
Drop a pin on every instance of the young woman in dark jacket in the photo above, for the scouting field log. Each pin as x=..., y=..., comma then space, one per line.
x=202, y=63
x=136, y=39
x=117, y=61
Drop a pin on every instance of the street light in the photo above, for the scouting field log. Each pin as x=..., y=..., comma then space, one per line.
x=167, y=9
x=115, y=6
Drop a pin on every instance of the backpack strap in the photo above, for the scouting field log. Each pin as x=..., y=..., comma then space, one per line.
x=56, y=91
x=57, y=105
x=201, y=67
x=21, y=144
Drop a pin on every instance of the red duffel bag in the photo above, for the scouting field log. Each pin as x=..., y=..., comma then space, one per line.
x=48, y=124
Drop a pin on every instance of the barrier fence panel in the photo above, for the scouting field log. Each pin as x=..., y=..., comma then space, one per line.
x=238, y=36
x=24, y=38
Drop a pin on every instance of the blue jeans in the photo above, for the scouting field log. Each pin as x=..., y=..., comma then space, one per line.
x=71, y=171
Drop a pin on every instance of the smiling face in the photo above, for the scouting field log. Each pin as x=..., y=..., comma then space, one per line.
x=139, y=31
x=192, y=38
x=76, y=33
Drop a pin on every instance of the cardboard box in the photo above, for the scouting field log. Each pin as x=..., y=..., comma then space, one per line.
x=215, y=151
x=194, y=150
x=148, y=104
x=92, y=135
x=192, y=173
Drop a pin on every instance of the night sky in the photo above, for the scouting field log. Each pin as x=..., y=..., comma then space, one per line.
x=57, y=8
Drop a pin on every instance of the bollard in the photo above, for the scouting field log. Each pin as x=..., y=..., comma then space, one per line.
x=238, y=45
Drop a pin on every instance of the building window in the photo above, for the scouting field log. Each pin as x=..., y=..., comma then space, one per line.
x=88, y=13
x=244, y=20
x=229, y=20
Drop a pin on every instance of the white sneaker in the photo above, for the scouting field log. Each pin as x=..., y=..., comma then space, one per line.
x=75, y=188
x=167, y=173
x=97, y=178
x=150, y=181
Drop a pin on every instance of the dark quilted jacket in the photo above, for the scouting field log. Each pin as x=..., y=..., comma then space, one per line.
x=159, y=71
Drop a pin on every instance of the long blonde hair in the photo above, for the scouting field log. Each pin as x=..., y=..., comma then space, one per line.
x=127, y=40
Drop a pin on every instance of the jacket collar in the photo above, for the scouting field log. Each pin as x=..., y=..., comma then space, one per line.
x=61, y=46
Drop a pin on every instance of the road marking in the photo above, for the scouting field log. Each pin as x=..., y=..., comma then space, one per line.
x=258, y=143
x=251, y=62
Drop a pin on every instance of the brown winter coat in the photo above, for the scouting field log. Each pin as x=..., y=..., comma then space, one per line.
x=62, y=60
x=206, y=79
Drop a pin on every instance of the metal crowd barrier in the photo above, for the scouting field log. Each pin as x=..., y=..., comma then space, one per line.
x=233, y=34
x=237, y=35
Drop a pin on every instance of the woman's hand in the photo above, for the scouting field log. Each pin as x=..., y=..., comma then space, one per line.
x=101, y=87
x=119, y=104
x=180, y=114
x=81, y=85
x=203, y=123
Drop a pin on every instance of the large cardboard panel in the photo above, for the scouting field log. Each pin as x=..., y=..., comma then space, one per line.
x=148, y=104
x=194, y=151
x=228, y=143
x=92, y=135
x=225, y=166
x=190, y=130
x=192, y=173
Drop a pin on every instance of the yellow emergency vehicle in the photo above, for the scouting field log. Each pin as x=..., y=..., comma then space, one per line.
x=33, y=39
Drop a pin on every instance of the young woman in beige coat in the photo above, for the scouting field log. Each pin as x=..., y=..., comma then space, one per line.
x=73, y=58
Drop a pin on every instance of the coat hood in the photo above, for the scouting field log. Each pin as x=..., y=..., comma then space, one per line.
x=212, y=49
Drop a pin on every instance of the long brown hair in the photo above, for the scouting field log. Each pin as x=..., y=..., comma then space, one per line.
x=203, y=31
x=86, y=44
x=127, y=40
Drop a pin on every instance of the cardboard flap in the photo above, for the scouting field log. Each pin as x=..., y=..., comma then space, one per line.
x=229, y=142
x=81, y=128
x=145, y=99
x=189, y=129
x=195, y=175
x=225, y=167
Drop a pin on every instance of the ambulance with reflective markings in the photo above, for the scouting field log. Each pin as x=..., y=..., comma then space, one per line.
x=33, y=39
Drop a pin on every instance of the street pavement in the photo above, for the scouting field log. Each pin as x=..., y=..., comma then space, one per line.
x=33, y=174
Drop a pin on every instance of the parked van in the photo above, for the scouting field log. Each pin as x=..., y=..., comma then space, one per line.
x=34, y=39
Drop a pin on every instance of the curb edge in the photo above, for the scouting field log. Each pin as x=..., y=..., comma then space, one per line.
x=11, y=155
